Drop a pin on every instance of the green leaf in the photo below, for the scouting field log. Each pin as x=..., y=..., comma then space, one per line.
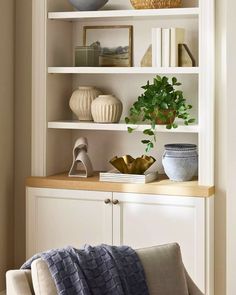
x=174, y=80
x=148, y=132
x=191, y=121
x=130, y=130
x=145, y=141
x=127, y=120
x=174, y=125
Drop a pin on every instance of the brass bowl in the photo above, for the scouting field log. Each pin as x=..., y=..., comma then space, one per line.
x=129, y=165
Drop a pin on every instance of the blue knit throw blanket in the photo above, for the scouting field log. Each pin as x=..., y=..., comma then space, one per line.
x=101, y=270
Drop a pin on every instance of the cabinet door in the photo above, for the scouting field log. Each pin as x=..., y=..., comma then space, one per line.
x=58, y=218
x=146, y=220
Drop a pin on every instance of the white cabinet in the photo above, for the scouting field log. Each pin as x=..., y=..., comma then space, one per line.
x=57, y=217
x=148, y=220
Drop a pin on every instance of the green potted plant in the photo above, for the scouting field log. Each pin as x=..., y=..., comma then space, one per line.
x=160, y=104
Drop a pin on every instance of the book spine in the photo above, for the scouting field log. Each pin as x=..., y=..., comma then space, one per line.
x=156, y=47
x=165, y=47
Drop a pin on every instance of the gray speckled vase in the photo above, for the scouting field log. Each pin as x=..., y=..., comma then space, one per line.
x=88, y=5
x=180, y=161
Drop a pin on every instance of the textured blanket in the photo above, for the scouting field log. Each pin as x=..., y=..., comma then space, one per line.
x=101, y=270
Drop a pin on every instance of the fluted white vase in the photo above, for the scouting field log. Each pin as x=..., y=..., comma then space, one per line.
x=106, y=109
x=81, y=100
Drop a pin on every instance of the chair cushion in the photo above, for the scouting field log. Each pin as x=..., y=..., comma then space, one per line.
x=42, y=280
x=164, y=270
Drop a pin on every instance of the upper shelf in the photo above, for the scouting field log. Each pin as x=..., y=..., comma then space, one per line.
x=122, y=70
x=123, y=14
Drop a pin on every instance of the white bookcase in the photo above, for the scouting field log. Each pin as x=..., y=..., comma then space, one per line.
x=57, y=29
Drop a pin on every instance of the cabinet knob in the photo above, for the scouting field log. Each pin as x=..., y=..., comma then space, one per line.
x=107, y=201
x=115, y=202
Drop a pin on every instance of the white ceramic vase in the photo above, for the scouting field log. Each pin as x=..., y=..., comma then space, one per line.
x=80, y=102
x=106, y=109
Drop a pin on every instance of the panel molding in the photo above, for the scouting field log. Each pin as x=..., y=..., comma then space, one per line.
x=39, y=75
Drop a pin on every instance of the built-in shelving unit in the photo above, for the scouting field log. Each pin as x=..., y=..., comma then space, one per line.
x=57, y=30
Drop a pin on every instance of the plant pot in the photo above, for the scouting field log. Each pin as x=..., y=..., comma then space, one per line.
x=180, y=161
x=106, y=109
x=165, y=121
x=81, y=100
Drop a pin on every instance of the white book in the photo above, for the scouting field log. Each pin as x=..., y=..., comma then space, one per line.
x=165, y=47
x=177, y=36
x=116, y=176
x=156, y=47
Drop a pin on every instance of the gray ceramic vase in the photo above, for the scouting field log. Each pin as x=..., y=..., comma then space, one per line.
x=180, y=161
x=88, y=5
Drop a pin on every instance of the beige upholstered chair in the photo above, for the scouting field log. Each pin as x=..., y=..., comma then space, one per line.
x=163, y=266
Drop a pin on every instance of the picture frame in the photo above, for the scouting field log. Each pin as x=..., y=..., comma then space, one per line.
x=116, y=48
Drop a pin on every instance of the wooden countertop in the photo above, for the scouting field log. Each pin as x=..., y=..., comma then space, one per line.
x=163, y=186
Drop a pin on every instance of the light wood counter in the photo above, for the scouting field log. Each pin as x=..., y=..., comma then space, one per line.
x=161, y=187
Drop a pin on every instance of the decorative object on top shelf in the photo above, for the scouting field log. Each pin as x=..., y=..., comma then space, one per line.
x=87, y=56
x=160, y=104
x=81, y=166
x=106, y=109
x=185, y=57
x=180, y=161
x=166, y=49
x=88, y=5
x=129, y=165
x=81, y=100
x=155, y=4
x=147, y=58
x=116, y=51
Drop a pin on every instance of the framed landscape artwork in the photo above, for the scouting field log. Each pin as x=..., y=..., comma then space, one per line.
x=115, y=44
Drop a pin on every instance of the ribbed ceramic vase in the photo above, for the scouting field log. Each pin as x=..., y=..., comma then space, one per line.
x=180, y=161
x=81, y=100
x=106, y=109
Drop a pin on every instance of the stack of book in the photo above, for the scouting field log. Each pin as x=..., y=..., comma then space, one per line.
x=167, y=45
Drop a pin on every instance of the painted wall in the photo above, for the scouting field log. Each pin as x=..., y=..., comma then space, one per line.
x=6, y=137
x=22, y=120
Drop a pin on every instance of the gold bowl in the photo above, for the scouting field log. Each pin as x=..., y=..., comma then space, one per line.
x=129, y=165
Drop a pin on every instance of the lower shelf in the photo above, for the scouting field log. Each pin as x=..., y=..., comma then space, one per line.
x=161, y=187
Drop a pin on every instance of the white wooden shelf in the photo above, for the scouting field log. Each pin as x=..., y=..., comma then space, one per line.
x=123, y=70
x=76, y=125
x=123, y=14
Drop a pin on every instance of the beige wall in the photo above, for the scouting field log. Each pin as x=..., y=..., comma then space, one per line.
x=6, y=137
x=22, y=119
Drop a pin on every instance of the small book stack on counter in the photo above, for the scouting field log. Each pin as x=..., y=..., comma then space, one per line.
x=169, y=49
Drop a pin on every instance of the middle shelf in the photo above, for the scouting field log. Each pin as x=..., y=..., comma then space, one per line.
x=123, y=70
x=76, y=125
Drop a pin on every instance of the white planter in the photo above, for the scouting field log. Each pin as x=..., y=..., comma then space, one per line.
x=80, y=102
x=106, y=109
